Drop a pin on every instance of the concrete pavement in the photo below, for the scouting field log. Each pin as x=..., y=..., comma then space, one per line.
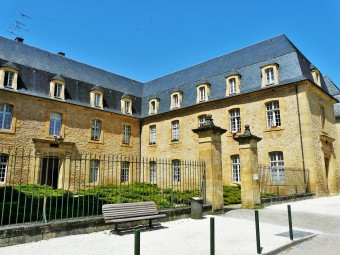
x=234, y=234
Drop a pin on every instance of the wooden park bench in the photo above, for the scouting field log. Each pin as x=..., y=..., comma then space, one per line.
x=128, y=212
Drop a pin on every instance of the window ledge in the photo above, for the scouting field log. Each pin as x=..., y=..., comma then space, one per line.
x=96, y=141
x=176, y=142
x=274, y=129
x=126, y=145
x=7, y=131
x=152, y=144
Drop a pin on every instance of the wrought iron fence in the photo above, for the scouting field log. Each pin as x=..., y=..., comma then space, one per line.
x=49, y=186
x=283, y=180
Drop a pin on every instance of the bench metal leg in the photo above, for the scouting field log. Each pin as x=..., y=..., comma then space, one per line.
x=115, y=230
x=150, y=223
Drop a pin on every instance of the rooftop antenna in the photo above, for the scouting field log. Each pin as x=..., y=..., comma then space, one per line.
x=18, y=26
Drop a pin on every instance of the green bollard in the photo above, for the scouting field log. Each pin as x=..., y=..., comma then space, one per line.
x=290, y=223
x=137, y=242
x=212, y=236
x=257, y=227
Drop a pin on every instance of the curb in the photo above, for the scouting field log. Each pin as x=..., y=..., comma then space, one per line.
x=289, y=245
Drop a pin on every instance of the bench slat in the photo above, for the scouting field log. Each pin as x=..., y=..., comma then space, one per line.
x=136, y=218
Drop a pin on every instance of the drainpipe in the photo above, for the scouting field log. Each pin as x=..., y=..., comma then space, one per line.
x=301, y=143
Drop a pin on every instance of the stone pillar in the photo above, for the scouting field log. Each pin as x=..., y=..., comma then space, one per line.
x=209, y=144
x=250, y=188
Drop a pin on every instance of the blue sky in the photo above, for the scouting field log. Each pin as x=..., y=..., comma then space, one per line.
x=146, y=39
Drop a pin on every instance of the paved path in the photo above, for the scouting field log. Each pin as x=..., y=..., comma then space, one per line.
x=234, y=233
x=318, y=215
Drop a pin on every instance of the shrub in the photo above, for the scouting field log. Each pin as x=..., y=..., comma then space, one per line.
x=232, y=194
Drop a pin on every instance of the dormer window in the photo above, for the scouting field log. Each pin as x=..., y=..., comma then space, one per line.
x=57, y=87
x=270, y=74
x=203, y=92
x=96, y=97
x=153, y=106
x=126, y=104
x=176, y=100
x=9, y=76
x=316, y=76
x=233, y=85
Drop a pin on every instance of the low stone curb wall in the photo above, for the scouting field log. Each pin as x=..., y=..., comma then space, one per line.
x=284, y=199
x=33, y=232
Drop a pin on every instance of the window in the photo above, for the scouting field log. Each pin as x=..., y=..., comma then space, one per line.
x=94, y=171
x=58, y=90
x=277, y=166
x=124, y=174
x=176, y=170
x=203, y=93
x=96, y=129
x=152, y=132
x=9, y=78
x=55, y=124
x=201, y=120
x=96, y=97
x=153, y=106
x=126, y=104
x=233, y=84
x=316, y=76
x=175, y=131
x=235, y=120
x=273, y=114
x=5, y=116
x=235, y=168
x=57, y=87
x=153, y=172
x=176, y=100
x=126, y=134
x=270, y=74
x=3, y=167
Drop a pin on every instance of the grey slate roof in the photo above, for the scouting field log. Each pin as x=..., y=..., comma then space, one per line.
x=58, y=77
x=97, y=88
x=335, y=92
x=9, y=64
x=26, y=55
x=37, y=67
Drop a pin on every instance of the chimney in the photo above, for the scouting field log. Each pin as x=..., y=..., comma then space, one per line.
x=19, y=39
x=61, y=54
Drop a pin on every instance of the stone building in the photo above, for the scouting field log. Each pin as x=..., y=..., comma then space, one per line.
x=52, y=104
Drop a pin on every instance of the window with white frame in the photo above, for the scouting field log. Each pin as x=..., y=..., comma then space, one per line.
x=316, y=76
x=232, y=85
x=235, y=120
x=235, y=168
x=277, y=170
x=273, y=114
x=124, y=173
x=152, y=134
x=201, y=120
x=153, y=172
x=203, y=93
x=176, y=170
x=176, y=100
x=270, y=74
x=9, y=79
x=96, y=130
x=126, y=105
x=97, y=99
x=3, y=167
x=94, y=171
x=175, y=130
x=153, y=106
x=5, y=116
x=55, y=124
x=126, y=134
x=58, y=88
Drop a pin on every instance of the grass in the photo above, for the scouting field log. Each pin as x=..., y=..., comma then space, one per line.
x=25, y=203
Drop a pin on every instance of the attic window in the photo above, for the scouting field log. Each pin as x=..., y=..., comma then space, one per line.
x=233, y=84
x=126, y=104
x=57, y=87
x=153, y=106
x=96, y=97
x=270, y=75
x=203, y=92
x=176, y=100
x=316, y=76
x=9, y=76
